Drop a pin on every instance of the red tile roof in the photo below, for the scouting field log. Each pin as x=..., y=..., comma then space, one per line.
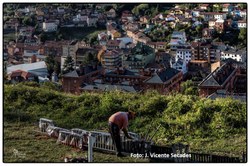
x=21, y=73
x=16, y=73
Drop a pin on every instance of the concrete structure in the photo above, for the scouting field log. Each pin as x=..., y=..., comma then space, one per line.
x=111, y=59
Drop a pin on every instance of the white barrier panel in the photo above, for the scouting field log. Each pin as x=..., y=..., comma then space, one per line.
x=79, y=131
x=103, y=141
x=72, y=139
x=53, y=131
x=83, y=133
x=44, y=123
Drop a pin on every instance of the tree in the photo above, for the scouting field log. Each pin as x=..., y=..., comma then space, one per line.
x=29, y=20
x=89, y=58
x=26, y=21
x=243, y=5
x=217, y=8
x=140, y=9
x=59, y=35
x=197, y=31
x=243, y=36
x=57, y=67
x=154, y=11
x=68, y=65
x=43, y=37
x=188, y=88
x=50, y=62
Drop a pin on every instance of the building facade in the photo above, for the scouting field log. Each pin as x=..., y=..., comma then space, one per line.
x=111, y=59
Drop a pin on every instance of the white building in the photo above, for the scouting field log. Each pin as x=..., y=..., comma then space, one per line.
x=38, y=69
x=220, y=16
x=184, y=53
x=238, y=55
x=242, y=24
x=50, y=26
x=180, y=65
x=243, y=13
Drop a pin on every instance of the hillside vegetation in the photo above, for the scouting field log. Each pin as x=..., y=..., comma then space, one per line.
x=208, y=126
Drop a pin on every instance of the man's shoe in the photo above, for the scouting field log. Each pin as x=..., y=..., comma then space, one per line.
x=120, y=155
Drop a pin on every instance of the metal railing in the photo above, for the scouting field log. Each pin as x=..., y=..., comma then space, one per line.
x=102, y=141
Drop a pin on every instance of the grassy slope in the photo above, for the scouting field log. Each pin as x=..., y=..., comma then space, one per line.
x=40, y=148
x=90, y=111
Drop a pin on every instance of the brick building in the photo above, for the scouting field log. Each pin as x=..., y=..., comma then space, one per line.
x=164, y=81
x=221, y=78
x=72, y=81
x=161, y=80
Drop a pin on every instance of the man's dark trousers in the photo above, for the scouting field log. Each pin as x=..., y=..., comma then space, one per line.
x=115, y=134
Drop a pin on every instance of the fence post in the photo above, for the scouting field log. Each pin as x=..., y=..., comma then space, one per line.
x=90, y=147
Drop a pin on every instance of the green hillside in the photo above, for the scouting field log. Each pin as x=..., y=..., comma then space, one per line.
x=208, y=126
